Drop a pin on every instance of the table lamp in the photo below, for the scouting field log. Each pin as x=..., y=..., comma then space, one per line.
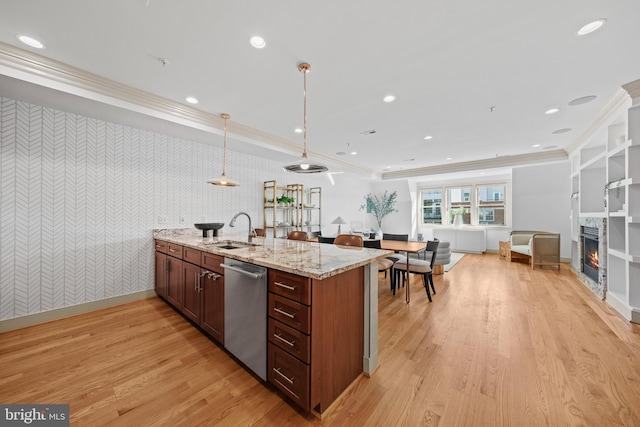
x=339, y=221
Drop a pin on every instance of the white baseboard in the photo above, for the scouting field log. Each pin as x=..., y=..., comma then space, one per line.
x=47, y=316
x=618, y=305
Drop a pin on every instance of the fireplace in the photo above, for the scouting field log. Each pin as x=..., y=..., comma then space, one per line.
x=590, y=252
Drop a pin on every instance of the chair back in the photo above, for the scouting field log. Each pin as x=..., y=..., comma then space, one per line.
x=432, y=246
x=399, y=237
x=260, y=232
x=374, y=244
x=322, y=239
x=348, y=240
x=298, y=235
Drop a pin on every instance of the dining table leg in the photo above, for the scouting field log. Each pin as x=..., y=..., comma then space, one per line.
x=408, y=291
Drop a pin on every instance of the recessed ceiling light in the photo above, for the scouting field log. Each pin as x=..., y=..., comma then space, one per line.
x=297, y=130
x=389, y=98
x=257, y=42
x=387, y=167
x=582, y=100
x=449, y=158
x=591, y=27
x=353, y=153
x=340, y=153
x=191, y=100
x=552, y=111
x=535, y=146
x=29, y=41
x=559, y=131
x=428, y=137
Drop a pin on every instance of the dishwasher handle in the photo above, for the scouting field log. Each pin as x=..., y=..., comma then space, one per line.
x=240, y=270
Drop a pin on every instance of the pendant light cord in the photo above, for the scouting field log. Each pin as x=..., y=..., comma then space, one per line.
x=304, y=67
x=225, y=116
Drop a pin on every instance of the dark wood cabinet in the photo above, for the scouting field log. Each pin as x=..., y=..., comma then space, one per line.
x=175, y=286
x=161, y=278
x=195, y=285
x=315, y=336
x=191, y=276
x=212, y=318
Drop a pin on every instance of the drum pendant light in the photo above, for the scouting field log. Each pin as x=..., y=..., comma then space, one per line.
x=223, y=180
x=304, y=165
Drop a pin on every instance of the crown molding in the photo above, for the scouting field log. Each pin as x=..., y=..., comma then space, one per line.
x=499, y=162
x=633, y=89
x=609, y=112
x=43, y=71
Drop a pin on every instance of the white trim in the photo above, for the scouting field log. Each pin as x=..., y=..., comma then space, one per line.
x=43, y=71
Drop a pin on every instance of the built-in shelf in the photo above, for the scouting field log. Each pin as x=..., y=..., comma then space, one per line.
x=606, y=175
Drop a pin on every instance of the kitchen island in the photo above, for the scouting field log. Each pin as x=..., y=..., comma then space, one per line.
x=322, y=312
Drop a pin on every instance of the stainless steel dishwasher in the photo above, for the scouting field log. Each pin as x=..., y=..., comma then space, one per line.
x=245, y=314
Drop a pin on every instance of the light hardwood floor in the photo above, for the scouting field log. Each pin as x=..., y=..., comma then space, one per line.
x=501, y=345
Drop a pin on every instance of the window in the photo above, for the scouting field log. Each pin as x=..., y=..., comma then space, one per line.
x=477, y=204
x=459, y=203
x=491, y=206
x=432, y=206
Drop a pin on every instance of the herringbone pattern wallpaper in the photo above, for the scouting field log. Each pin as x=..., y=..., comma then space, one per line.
x=80, y=198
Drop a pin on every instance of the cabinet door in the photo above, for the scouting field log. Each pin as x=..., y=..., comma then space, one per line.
x=161, y=274
x=213, y=306
x=175, y=286
x=191, y=279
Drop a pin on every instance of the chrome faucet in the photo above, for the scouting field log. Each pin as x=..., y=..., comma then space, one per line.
x=252, y=232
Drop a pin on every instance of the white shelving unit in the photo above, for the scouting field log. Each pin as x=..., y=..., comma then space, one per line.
x=605, y=183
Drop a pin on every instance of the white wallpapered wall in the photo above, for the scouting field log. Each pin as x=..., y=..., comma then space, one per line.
x=79, y=198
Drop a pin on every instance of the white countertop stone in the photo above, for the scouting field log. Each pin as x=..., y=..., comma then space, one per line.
x=314, y=260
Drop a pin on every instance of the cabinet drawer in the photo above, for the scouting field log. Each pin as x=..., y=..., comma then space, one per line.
x=192, y=255
x=212, y=262
x=289, y=375
x=291, y=313
x=175, y=250
x=289, y=285
x=290, y=340
x=162, y=246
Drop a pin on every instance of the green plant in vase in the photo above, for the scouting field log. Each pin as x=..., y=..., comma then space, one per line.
x=380, y=206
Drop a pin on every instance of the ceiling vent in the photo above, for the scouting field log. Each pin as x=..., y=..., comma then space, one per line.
x=368, y=132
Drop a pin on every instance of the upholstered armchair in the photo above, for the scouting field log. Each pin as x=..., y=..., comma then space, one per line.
x=542, y=248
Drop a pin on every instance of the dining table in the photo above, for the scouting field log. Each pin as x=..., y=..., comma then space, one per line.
x=408, y=247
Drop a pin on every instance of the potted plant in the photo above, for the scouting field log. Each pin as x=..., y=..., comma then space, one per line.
x=457, y=216
x=380, y=206
x=285, y=200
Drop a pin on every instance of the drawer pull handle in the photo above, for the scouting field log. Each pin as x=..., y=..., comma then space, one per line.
x=158, y=246
x=289, y=380
x=282, y=285
x=289, y=315
x=286, y=341
x=172, y=250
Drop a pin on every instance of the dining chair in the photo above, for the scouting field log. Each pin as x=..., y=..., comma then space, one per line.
x=400, y=237
x=384, y=264
x=323, y=239
x=398, y=257
x=348, y=240
x=424, y=268
x=298, y=235
x=260, y=232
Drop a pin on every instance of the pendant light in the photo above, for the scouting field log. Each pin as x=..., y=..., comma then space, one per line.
x=304, y=165
x=223, y=180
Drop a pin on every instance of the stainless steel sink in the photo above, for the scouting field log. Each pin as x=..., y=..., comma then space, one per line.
x=232, y=245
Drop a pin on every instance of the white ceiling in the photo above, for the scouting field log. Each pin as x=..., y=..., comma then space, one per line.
x=447, y=62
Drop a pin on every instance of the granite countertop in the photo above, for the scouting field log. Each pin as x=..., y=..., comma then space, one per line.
x=314, y=260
